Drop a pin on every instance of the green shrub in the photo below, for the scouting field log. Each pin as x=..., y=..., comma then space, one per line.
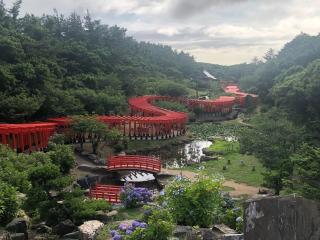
x=159, y=226
x=194, y=203
x=8, y=203
x=62, y=156
x=81, y=209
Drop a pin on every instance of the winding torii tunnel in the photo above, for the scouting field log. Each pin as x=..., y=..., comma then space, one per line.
x=145, y=122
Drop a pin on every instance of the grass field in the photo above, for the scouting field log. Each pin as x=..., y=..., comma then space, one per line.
x=234, y=170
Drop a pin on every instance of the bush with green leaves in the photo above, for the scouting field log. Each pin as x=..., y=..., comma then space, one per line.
x=62, y=156
x=157, y=224
x=8, y=203
x=233, y=219
x=194, y=203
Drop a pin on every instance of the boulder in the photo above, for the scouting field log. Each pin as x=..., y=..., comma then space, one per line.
x=17, y=236
x=4, y=235
x=184, y=232
x=87, y=181
x=208, y=152
x=282, y=218
x=207, y=234
x=92, y=157
x=44, y=229
x=232, y=237
x=73, y=235
x=106, y=216
x=206, y=158
x=17, y=225
x=65, y=227
x=90, y=229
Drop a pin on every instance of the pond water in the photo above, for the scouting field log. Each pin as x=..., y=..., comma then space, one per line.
x=173, y=157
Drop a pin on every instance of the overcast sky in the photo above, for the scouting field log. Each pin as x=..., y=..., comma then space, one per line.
x=215, y=31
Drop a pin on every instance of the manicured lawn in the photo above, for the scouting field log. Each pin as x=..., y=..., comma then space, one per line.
x=235, y=170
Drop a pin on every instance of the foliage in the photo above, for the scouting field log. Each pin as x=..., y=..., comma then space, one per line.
x=62, y=156
x=8, y=203
x=224, y=146
x=174, y=106
x=194, y=203
x=273, y=140
x=132, y=196
x=159, y=226
x=84, y=126
x=57, y=66
x=207, y=130
x=81, y=209
x=305, y=179
x=233, y=219
x=172, y=89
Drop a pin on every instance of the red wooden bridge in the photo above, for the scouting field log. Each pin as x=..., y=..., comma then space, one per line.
x=110, y=193
x=134, y=162
x=145, y=122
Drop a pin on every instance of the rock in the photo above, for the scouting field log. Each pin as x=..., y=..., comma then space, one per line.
x=4, y=235
x=17, y=225
x=92, y=157
x=282, y=218
x=207, y=234
x=224, y=229
x=232, y=237
x=73, y=235
x=87, y=181
x=106, y=216
x=208, y=152
x=44, y=229
x=90, y=229
x=65, y=227
x=185, y=232
x=112, y=213
x=205, y=158
x=18, y=236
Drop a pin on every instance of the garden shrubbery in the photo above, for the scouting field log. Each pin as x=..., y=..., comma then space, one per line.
x=157, y=224
x=194, y=203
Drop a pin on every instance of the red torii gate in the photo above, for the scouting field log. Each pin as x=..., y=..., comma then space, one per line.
x=29, y=136
x=145, y=122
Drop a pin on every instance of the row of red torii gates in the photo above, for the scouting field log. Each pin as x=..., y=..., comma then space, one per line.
x=145, y=122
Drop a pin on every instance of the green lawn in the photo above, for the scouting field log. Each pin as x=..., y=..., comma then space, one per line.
x=234, y=171
x=225, y=146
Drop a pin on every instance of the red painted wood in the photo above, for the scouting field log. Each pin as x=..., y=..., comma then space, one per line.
x=134, y=162
x=110, y=193
x=146, y=121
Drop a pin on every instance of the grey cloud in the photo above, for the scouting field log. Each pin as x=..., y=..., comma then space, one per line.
x=188, y=8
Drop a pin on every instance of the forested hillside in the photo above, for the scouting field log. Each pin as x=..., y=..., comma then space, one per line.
x=55, y=65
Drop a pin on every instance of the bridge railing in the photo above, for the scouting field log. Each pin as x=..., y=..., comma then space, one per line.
x=110, y=193
x=134, y=162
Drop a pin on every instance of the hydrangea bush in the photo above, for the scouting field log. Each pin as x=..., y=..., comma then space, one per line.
x=126, y=231
x=159, y=226
x=132, y=197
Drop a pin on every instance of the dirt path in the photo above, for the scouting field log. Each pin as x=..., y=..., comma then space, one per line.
x=238, y=188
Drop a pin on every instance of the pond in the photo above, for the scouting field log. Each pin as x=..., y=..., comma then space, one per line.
x=173, y=157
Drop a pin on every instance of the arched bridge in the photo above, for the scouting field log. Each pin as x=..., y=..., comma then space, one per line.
x=134, y=162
